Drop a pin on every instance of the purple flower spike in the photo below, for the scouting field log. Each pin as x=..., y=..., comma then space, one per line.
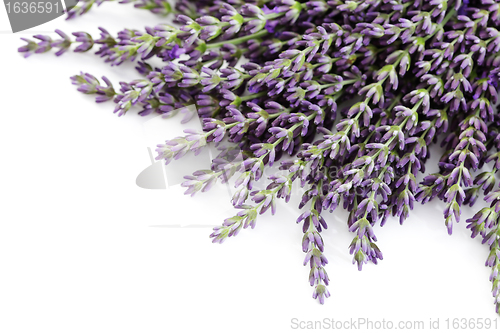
x=86, y=41
x=349, y=96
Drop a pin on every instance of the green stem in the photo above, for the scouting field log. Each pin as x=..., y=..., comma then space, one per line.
x=249, y=97
x=448, y=16
x=342, y=83
x=239, y=40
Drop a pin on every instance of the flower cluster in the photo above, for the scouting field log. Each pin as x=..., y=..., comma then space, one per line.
x=356, y=91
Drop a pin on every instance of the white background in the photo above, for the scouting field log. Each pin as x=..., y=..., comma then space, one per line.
x=84, y=249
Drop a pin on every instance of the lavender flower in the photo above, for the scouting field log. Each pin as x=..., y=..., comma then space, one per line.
x=270, y=79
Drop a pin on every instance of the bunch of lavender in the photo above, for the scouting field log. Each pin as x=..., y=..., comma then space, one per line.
x=269, y=76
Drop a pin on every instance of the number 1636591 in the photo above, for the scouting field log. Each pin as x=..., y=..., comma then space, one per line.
x=24, y=7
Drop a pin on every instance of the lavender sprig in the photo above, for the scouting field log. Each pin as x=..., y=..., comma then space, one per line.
x=270, y=79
